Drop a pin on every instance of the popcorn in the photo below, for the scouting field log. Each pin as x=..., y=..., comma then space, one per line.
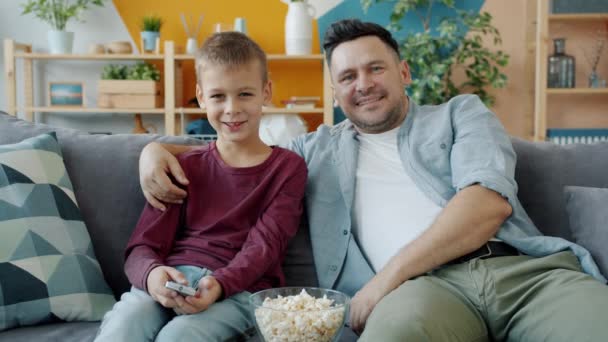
x=299, y=318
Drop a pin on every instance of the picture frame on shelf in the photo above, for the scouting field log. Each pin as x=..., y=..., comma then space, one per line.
x=66, y=94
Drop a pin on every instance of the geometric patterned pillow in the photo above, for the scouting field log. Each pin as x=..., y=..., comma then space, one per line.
x=48, y=270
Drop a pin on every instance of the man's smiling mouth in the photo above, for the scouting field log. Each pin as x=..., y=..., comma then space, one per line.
x=368, y=100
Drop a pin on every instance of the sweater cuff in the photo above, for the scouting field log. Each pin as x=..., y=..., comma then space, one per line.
x=227, y=290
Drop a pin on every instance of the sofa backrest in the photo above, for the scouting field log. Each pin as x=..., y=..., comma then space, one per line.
x=104, y=172
x=542, y=171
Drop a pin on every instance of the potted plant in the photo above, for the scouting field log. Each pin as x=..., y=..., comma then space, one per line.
x=136, y=86
x=57, y=13
x=435, y=53
x=150, y=31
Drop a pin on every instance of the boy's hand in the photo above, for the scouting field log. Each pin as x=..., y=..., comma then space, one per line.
x=156, y=286
x=155, y=162
x=209, y=291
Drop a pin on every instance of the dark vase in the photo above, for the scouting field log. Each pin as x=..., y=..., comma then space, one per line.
x=561, y=67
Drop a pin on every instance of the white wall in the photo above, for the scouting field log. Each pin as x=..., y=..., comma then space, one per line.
x=101, y=25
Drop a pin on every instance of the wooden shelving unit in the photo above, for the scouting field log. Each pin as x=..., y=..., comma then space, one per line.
x=172, y=69
x=544, y=18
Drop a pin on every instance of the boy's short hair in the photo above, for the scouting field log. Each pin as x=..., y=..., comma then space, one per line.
x=230, y=49
x=351, y=29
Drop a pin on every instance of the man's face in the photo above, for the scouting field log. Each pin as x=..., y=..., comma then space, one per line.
x=233, y=97
x=368, y=82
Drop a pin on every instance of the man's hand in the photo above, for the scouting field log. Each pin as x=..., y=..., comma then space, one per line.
x=156, y=286
x=155, y=163
x=209, y=291
x=364, y=302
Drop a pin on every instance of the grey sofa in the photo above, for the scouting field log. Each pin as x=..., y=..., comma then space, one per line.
x=104, y=169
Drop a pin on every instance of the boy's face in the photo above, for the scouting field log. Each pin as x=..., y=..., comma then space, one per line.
x=233, y=97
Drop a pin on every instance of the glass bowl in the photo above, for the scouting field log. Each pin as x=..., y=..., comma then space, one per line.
x=299, y=314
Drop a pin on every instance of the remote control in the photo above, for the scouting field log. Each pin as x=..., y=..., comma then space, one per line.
x=181, y=289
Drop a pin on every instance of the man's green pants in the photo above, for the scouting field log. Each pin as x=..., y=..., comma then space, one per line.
x=511, y=298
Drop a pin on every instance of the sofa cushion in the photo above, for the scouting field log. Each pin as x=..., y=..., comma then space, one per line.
x=47, y=265
x=56, y=332
x=542, y=171
x=588, y=216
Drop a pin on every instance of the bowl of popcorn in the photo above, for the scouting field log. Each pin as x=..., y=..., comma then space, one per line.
x=299, y=314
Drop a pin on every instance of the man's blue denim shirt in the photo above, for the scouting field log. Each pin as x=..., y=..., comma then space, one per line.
x=444, y=149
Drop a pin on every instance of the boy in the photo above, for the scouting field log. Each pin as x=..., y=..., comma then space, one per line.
x=228, y=238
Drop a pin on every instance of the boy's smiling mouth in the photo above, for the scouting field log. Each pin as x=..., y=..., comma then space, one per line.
x=234, y=125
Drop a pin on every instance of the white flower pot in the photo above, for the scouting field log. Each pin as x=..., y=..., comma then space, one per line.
x=298, y=28
x=60, y=42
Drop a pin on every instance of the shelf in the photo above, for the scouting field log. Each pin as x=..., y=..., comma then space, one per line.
x=274, y=57
x=173, y=83
x=578, y=17
x=577, y=91
x=105, y=56
x=65, y=109
x=266, y=110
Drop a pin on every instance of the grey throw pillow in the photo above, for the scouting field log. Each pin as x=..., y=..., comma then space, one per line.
x=588, y=214
x=48, y=269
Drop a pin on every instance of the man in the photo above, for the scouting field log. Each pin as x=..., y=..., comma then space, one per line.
x=413, y=209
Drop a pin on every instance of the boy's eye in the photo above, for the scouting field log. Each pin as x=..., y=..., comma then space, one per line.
x=245, y=94
x=217, y=96
x=377, y=68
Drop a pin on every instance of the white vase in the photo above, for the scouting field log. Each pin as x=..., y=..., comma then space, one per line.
x=191, y=46
x=60, y=42
x=298, y=28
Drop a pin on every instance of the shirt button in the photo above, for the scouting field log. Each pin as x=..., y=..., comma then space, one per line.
x=333, y=268
x=443, y=146
x=345, y=232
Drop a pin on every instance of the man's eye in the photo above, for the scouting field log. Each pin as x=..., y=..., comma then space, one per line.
x=377, y=68
x=347, y=78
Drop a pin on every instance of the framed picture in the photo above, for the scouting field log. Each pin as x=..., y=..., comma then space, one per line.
x=66, y=94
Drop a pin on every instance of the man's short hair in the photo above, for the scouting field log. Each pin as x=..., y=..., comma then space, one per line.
x=351, y=29
x=230, y=49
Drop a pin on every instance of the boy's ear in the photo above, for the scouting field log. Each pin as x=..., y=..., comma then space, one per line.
x=199, y=95
x=267, y=93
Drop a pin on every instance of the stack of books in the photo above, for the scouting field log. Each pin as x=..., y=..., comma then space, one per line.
x=301, y=102
x=565, y=136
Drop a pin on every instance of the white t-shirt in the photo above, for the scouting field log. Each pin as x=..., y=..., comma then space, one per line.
x=389, y=210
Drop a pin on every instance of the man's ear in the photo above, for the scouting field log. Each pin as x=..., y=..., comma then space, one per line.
x=267, y=91
x=333, y=95
x=199, y=96
x=404, y=72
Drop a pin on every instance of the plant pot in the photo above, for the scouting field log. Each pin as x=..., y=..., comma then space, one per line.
x=298, y=28
x=149, y=40
x=129, y=94
x=60, y=42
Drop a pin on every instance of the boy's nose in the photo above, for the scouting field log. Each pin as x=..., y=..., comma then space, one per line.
x=232, y=107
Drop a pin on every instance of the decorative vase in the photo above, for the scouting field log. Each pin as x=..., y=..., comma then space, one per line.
x=561, y=67
x=594, y=80
x=298, y=28
x=60, y=42
x=191, y=46
x=149, y=38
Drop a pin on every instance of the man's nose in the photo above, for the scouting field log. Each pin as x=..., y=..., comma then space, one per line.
x=364, y=83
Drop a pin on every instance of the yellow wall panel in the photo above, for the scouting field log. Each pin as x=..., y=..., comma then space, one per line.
x=265, y=24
